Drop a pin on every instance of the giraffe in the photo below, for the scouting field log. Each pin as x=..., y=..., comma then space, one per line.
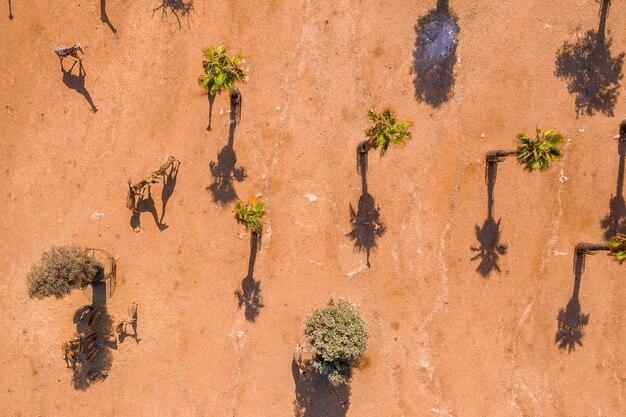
x=138, y=189
x=63, y=51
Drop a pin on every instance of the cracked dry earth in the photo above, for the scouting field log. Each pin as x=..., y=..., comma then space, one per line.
x=444, y=339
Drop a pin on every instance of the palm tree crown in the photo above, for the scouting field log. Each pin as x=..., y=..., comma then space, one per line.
x=539, y=153
x=250, y=214
x=221, y=72
x=617, y=244
x=386, y=130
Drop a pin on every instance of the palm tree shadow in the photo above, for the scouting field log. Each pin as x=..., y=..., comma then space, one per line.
x=615, y=221
x=313, y=398
x=177, y=8
x=590, y=71
x=225, y=171
x=570, y=320
x=435, y=55
x=366, y=222
x=249, y=295
x=489, y=249
x=104, y=17
x=77, y=82
x=169, y=183
x=10, y=11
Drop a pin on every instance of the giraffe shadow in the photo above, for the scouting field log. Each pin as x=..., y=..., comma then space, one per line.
x=169, y=183
x=366, y=222
x=249, y=295
x=177, y=8
x=590, y=71
x=570, y=320
x=77, y=82
x=104, y=17
x=146, y=205
x=313, y=398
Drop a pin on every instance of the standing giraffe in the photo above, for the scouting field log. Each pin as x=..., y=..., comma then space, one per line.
x=63, y=51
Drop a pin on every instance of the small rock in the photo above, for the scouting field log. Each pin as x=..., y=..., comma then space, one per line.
x=581, y=130
x=616, y=137
x=482, y=135
x=97, y=215
x=562, y=178
x=258, y=195
x=277, y=108
x=310, y=197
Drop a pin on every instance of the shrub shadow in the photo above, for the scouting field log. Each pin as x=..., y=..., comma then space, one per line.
x=225, y=171
x=94, y=342
x=366, y=222
x=435, y=55
x=570, y=320
x=489, y=247
x=590, y=71
x=249, y=295
x=313, y=398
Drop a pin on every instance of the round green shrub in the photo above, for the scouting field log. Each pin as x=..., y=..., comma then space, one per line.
x=59, y=271
x=338, y=334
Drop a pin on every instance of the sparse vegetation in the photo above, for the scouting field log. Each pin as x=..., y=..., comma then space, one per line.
x=386, y=130
x=617, y=246
x=250, y=215
x=338, y=334
x=220, y=71
x=59, y=271
x=540, y=152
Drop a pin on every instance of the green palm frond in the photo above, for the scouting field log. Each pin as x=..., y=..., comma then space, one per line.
x=250, y=215
x=617, y=245
x=540, y=152
x=386, y=131
x=220, y=71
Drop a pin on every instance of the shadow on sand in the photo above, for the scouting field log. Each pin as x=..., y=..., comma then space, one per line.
x=590, y=71
x=366, y=223
x=249, y=295
x=435, y=55
x=489, y=247
x=313, y=398
x=96, y=338
x=77, y=82
x=225, y=171
x=615, y=221
x=177, y=7
x=570, y=320
x=104, y=17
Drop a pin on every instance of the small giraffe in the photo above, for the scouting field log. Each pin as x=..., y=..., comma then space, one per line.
x=63, y=51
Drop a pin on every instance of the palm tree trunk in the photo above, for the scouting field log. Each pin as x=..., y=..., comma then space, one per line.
x=497, y=156
x=585, y=247
x=364, y=147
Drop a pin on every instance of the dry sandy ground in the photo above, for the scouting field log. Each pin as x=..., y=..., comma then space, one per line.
x=444, y=339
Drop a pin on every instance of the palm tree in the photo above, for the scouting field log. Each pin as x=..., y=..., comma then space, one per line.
x=384, y=132
x=533, y=154
x=220, y=74
x=616, y=246
x=250, y=215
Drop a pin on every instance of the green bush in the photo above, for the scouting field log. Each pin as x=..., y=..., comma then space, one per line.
x=338, y=335
x=59, y=271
